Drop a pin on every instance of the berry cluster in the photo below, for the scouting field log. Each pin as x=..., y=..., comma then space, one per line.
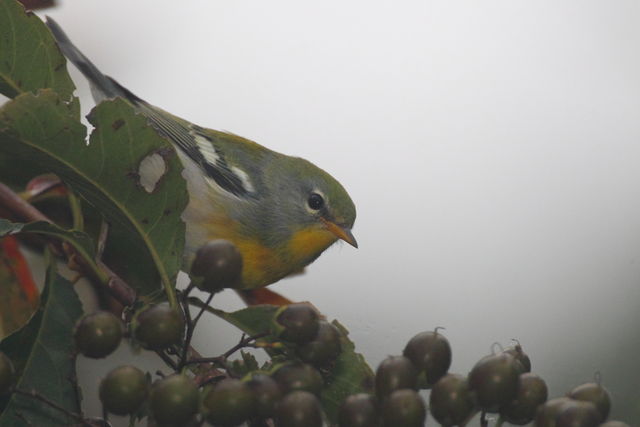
x=288, y=390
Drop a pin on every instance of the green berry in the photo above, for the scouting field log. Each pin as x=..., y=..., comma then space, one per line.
x=229, y=403
x=174, y=400
x=430, y=352
x=98, y=334
x=358, y=410
x=7, y=374
x=324, y=348
x=494, y=379
x=451, y=401
x=596, y=394
x=157, y=327
x=403, y=408
x=123, y=390
x=299, y=409
x=394, y=373
x=219, y=263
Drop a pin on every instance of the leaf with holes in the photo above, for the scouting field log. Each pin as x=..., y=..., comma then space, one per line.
x=42, y=354
x=144, y=221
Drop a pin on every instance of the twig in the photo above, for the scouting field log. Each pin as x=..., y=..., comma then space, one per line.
x=243, y=343
x=191, y=323
x=23, y=210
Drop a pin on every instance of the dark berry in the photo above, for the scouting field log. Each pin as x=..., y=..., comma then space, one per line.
x=98, y=334
x=297, y=323
x=157, y=327
x=532, y=392
x=229, y=403
x=299, y=376
x=430, y=352
x=596, y=394
x=578, y=413
x=266, y=392
x=299, y=409
x=174, y=400
x=358, y=410
x=394, y=373
x=451, y=401
x=324, y=348
x=219, y=263
x=494, y=379
x=547, y=413
x=123, y=390
x=403, y=408
x=522, y=357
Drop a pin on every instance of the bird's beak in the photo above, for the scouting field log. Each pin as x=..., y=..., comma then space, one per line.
x=342, y=233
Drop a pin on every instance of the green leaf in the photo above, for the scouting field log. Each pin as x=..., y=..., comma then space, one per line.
x=42, y=353
x=349, y=374
x=146, y=223
x=29, y=57
x=79, y=240
x=29, y=60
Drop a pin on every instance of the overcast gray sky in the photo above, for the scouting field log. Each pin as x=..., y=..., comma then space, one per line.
x=492, y=150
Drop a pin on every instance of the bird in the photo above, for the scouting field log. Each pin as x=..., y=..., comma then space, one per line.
x=281, y=212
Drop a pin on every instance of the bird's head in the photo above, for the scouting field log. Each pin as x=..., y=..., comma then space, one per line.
x=313, y=206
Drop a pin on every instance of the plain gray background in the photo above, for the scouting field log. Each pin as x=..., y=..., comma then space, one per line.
x=492, y=150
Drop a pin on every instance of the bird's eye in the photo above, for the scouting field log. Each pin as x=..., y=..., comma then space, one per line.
x=315, y=201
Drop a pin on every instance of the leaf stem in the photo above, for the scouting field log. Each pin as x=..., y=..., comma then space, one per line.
x=76, y=210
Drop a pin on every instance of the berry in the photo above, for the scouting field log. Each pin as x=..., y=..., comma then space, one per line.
x=123, y=390
x=157, y=327
x=596, y=394
x=403, y=408
x=358, y=410
x=430, y=352
x=229, y=403
x=266, y=392
x=324, y=348
x=451, y=401
x=299, y=376
x=532, y=392
x=299, y=409
x=174, y=400
x=521, y=357
x=547, y=413
x=297, y=323
x=219, y=263
x=577, y=413
x=495, y=380
x=394, y=373
x=98, y=334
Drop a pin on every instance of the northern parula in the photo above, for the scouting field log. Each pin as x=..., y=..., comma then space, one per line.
x=281, y=212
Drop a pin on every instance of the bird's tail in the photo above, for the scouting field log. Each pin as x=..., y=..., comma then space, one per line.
x=102, y=86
